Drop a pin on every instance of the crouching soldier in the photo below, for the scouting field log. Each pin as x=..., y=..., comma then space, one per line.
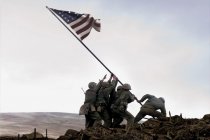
x=119, y=107
x=150, y=107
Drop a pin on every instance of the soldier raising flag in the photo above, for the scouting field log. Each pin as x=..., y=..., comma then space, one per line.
x=82, y=25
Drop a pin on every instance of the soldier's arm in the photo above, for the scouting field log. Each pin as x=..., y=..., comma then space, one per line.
x=131, y=97
x=112, y=86
x=146, y=96
x=110, y=78
x=114, y=81
x=120, y=98
x=98, y=86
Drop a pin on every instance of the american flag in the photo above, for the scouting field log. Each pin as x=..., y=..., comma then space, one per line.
x=80, y=23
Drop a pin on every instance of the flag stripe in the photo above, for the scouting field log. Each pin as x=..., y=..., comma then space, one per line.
x=78, y=20
x=97, y=23
x=97, y=26
x=84, y=36
x=85, y=26
x=87, y=23
x=85, y=31
x=80, y=23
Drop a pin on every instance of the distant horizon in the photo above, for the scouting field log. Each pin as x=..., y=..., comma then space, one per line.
x=56, y=123
x=84, y=116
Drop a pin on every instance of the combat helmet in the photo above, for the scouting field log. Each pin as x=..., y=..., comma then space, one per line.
x=162, y=99
x=126, y=86
x=119, y=88
x=92, y=85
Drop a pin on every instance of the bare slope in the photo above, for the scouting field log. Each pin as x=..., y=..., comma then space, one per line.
x=55, y=123
x=62, y=126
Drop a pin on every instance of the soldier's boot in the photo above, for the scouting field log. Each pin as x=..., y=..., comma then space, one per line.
x=129, y=125
x=97, y=123
x=130, y=120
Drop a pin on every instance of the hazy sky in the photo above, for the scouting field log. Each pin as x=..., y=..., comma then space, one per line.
x=159, y=47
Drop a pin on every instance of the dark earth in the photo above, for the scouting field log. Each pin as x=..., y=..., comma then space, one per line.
x=170, y=128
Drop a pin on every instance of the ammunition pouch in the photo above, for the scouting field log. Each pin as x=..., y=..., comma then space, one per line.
x=84, y=109
x=100, y=107
x=100, y=104
x=123, y=106
x=92, y=108
x=118, y=109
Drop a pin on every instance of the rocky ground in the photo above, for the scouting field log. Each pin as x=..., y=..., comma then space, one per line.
x=170, y=128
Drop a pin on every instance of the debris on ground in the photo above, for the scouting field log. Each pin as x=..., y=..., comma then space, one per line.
x=169, y=128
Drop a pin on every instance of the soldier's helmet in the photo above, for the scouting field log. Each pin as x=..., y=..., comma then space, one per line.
x=92, y=85
x=162, y=99
x=126, y=86
x=119, y=88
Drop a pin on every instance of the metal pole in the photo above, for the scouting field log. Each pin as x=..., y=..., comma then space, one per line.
x=81, y=42
x=84, y=45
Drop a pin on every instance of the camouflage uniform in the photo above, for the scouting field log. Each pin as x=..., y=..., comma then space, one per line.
x=103, y=101
x=150, y=107
x=92, y=117
x=119, y=108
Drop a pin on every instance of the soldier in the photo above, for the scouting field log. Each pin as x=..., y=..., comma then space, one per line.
x=92, y=117
x=115, y=94
x=103, y=100
x=116, y=118
x=150, y=107
x=119, y=107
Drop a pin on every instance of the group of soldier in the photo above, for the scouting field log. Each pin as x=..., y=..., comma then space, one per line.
x=106, y=102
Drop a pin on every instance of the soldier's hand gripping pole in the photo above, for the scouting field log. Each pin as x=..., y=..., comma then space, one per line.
x=138, y=101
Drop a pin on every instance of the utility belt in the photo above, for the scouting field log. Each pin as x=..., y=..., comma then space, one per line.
x=121, y=108
x=125, y=104
x=100, y=104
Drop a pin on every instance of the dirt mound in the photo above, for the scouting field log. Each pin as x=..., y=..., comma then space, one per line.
x=170, y=128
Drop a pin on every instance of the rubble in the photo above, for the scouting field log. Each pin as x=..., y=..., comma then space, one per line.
x=169, y=128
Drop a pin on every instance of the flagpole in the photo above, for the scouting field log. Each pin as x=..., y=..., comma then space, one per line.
x=86, y=47
x=82, y=43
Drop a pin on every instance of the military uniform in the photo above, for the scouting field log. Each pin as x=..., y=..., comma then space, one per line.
x=92, y=117
x=150, y=107
x=117, y=119
x=119, y=108
x=103, y=101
